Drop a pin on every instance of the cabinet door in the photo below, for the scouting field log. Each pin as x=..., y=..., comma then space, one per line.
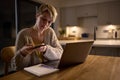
x=103, y=14
x=109, y=13
x=114, y=11
x=87, y=10
x=68, y=17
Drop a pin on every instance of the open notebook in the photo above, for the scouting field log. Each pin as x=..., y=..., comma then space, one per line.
x=74, y=53
x=41, y=69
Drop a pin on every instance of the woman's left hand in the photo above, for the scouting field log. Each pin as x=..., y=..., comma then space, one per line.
x=42, y=48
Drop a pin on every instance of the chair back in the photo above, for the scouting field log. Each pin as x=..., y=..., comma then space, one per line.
x=7, y=54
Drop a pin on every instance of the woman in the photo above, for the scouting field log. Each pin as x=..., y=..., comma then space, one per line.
x=40, y=34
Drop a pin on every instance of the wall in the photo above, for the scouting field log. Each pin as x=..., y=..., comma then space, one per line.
x=68, y=3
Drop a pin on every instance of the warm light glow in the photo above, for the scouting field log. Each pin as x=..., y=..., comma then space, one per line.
x=111, y=27
x=111, y=30
x=73, y=31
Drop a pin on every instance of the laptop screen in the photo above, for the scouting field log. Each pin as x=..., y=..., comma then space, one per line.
x=75, y=53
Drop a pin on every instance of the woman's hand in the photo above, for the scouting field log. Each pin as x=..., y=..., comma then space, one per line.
x=27, y=49
x=42, y=48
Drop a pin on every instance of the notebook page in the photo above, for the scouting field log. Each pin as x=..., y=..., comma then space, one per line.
x=40, y=69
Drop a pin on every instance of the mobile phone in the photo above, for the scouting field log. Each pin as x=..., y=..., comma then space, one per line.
x=38, y=46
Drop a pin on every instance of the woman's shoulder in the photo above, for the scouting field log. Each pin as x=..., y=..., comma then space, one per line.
x=24, y=31
x=50, y=30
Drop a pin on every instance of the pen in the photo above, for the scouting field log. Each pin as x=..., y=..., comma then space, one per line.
x=46, y=66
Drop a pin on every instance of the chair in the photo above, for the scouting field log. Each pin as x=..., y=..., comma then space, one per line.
x=7, y=54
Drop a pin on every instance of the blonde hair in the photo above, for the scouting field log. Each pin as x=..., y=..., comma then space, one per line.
x=47, y=7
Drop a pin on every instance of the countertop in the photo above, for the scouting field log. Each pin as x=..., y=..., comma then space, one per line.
x=97, y=43
x=107, y=43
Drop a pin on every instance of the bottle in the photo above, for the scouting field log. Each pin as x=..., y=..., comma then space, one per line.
x=115, y=34
x=95, y=28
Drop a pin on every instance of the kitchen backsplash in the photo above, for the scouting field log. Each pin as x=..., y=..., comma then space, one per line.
x=108, y=31
x=101, y=32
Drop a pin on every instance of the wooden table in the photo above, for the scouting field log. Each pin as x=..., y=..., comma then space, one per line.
x=94, y=68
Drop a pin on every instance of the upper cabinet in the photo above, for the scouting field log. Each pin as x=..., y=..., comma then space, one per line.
x=109, y=13
x=87, y=10
x=115, y=13
x=103, y=14
x=106, y=13
x=68, y=16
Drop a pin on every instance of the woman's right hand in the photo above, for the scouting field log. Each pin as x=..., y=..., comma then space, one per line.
x=27, y=49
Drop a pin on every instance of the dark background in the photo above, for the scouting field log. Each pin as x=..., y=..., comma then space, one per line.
x=26, y=18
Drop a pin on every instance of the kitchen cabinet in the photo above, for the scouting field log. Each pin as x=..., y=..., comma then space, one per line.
x=115, y=13
x=102, y=14
x=108, y=13
x=106, y=48
x=68, y=16
x=105, y=51
x=87, y=10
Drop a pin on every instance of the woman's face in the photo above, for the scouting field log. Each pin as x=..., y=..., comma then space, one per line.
x=43, y=21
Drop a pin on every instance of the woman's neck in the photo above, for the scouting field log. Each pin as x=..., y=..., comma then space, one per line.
x=37, y=30
x=39, y=35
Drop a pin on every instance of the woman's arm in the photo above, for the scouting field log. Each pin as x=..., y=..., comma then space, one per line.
x=20, y=60
x=54, y=49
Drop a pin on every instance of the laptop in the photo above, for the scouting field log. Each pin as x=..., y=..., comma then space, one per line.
x=74, y=53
